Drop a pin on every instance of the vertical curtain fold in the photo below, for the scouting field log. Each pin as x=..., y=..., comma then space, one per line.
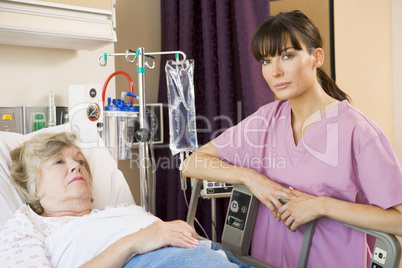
x=227, y=79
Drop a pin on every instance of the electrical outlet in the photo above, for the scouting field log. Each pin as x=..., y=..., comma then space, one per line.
x=35, y=118
x=61, y=115
x=11, y=119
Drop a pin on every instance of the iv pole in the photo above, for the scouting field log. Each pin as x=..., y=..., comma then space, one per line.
x=143, y=135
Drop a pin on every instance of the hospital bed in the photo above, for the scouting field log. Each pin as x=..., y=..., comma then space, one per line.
x=110, y=187
x=239, y=224
x=109, y=184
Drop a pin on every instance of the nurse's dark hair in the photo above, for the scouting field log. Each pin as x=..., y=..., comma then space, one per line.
x=274, y=33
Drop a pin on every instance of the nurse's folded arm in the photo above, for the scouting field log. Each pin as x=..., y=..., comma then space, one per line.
x=206, y=164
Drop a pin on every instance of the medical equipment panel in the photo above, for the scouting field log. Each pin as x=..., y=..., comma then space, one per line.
x=239, y=224
x=27, y=119
x=35, y=118
x=212, y=189
x=154, y=120
x=85, y=104
x=387, y=249
x=11, y=119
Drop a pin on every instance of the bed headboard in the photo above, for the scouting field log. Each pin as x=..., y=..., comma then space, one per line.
x=109, y=186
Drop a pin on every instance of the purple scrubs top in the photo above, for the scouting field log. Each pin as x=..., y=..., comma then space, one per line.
x=343, y=155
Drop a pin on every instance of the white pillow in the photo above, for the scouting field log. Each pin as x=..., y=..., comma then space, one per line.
x=109, y=185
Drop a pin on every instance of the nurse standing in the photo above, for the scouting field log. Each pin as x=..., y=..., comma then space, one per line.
x=312, y=147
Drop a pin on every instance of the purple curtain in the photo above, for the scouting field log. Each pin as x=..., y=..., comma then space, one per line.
x=228, y=84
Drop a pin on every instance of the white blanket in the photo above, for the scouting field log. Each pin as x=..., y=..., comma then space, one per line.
x=81, y=240
x=29, y=240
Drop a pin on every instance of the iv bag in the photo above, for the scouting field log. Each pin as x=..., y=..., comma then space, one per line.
x=182, y=128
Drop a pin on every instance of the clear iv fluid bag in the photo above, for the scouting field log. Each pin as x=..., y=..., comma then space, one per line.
x=182, y=127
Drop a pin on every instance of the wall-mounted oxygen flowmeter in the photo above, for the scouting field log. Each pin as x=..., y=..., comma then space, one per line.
x=93, y=111
x=84, y=102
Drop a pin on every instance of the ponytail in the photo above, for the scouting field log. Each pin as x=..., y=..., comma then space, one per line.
x=330, y=87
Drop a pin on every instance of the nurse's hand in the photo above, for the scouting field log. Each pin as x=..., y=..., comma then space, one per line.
x=267, y=191
x=300, y=210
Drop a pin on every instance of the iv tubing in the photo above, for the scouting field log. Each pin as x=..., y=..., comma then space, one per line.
x=110, y=77
x=183, y=181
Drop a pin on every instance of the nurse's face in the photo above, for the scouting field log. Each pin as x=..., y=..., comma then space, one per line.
x=64, y=181
x=291, y=73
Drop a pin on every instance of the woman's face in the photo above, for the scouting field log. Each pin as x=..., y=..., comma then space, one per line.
x=291, y=73
x=64, y=184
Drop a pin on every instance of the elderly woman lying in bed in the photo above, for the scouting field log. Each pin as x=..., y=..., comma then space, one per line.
x=58, y=226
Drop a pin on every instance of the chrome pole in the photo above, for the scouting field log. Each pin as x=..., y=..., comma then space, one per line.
x=143, y=145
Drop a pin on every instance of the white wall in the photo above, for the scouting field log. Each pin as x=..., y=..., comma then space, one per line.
x=28, y=74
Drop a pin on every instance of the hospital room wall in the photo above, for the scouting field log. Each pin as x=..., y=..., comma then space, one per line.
x=396, y=20
x=368, y=60
x=363, y=57
x=365, y=66
x=362, y=48
x=138, y=25
x=364, y=63
x=28, y=74
x=396, y=11
x=367, y=48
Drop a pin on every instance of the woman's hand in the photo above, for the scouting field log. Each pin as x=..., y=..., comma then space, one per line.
x=157, y=235
x=160, y=234
x=299, y=210
x=267, y=191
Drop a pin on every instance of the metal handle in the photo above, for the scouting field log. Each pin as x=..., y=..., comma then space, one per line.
x=307, y=240
x=386, y=243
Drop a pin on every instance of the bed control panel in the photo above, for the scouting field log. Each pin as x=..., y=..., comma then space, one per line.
x=212, y=189
x=238, y=210
x=379, y=257
x=240, y=219
x=387, y=249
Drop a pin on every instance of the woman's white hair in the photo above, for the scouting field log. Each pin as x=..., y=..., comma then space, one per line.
x=28, y=158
